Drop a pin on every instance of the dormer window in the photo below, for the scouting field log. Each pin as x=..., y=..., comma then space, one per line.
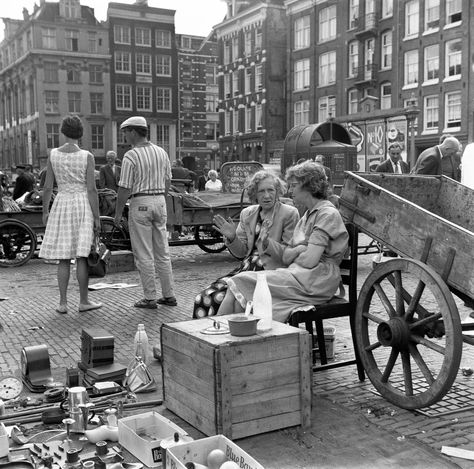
x=70, y=8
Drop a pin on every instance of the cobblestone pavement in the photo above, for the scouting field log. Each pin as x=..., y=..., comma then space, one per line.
x=28, y=317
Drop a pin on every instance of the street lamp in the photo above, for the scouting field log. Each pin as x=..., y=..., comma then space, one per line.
x=411, y=113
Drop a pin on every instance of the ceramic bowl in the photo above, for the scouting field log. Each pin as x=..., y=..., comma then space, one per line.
x=242, y=326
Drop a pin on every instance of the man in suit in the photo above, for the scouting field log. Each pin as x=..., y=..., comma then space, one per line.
x=394, y=163
x=431, y=161
x=109, y=174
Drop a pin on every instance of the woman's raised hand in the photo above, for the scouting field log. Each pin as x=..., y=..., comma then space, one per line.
x=225, y=227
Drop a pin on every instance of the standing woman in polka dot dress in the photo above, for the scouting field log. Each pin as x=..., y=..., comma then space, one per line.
x=74, y=216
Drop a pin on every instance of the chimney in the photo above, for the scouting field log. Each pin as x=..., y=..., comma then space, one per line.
x=26, y=16
x=141, y=3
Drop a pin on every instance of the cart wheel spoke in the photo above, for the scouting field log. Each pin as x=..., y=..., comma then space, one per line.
x=17, y=243
x=408, y=333
x=209, y=239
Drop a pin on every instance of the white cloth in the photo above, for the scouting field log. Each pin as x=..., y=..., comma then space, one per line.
x=214, y=185
x=467, y=166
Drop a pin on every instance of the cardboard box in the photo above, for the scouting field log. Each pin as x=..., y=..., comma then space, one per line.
x=329, y=339
x=141, y=435
x=236, y=386
x=197, y=451
x=121, y=261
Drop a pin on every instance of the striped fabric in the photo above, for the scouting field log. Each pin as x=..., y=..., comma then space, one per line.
x=145, y=168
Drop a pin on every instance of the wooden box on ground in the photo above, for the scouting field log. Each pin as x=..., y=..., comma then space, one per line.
x=121, y=261
x=236, y=386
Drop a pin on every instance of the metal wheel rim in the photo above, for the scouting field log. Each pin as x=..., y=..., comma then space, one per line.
x=6, y=254
x=212, y=246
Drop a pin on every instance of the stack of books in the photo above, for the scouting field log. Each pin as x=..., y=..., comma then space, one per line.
x=112, y=372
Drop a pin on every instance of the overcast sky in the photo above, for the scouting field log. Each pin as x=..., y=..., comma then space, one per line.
x=192, y=16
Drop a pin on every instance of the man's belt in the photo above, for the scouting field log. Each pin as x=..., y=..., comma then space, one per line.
x=145, y=194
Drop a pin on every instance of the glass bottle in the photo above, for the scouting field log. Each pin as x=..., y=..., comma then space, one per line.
x=141, y=343
x=262, y=302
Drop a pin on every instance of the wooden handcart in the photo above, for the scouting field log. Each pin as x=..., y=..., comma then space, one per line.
x=408, y=329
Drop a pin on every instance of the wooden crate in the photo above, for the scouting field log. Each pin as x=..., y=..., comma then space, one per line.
x=237, y=386
x=121, y=261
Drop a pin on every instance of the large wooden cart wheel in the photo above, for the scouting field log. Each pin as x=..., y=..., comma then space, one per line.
x=17, y=243
x=209, y=239
x=408, y=333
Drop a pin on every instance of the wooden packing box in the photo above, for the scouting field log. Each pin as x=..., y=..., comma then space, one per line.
x=237, y=386
x=121, y=261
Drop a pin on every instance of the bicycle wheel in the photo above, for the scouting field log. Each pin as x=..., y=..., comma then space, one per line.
x=17, y=243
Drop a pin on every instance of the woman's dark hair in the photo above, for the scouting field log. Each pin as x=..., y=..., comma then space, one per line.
x=71, y=127
x=257, y=178
x=312, y=178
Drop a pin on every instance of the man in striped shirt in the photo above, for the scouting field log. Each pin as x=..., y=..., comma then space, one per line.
x=145, y=180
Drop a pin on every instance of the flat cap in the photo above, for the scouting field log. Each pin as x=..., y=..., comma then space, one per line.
x=135, y=121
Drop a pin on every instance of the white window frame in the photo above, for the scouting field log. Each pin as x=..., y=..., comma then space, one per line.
x=74, y=100
x=258, y=40
x=121, y=34
x=453, y=60
x=328, y=23
x=235, y=83
x=431, y=64
x=163, y=95
x=453, y=12
x=411, y=68
x=386, y=95
x=258, y=117
x=248, y=80
x=122, y=62
x=432, y=15
x=163, y=65
x=248, y=119
x=123, y=97
x=302, y=32
x=226, y=52
x=235, y=48
x=387, y=8
x=301, y=74
x=163, y=136
x=353, y=13
x=352, y=101
x=327, y=68
x=248, y=43
x=227, y=122
x=142, y=37
x=97, y=103
x=71, y=39
x=326, y=106
x=92, y=42
x=51, y=102
x=453, y=110
x=48, y=38
x=142, y=64
x=431, y=113
x=258, y=77
x=143, y=98
x=353, y=49
x=163, y=38
x=97, y=136
x=96, y=73
x=227, y=86
x=386, y=50
x=412, y=18
x=235, y=121
x=301, y=112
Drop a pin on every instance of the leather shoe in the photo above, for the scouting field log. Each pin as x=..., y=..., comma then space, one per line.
x=168, y=301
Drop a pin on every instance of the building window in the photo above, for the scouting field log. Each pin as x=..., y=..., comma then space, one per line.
x=248, y=119
x=258, y=40
x=352, y=102
x=431, y=113
x=248, y=43
x=51, y=102
x=226, y=52
x=73, y=73
x=235, y=48
x=411, y=18
x=235, y=83
x=187, y=100
x=235, y=121
x=248, y=80
x=302, y=32
x=48, y=38
x=431, y=14
x=453, y=58
x=211, y=103
x=97, y=137
x=97, y=103
x=326, y=108
x=122, y=62
x=163, y=136
x=453, y=110
x=258, y=117
x=187, y=130
x=92, y=42
x=227, y=85
x=227, y=122
x=121, y=34
x=353, y=13
x=212, y=132
x=123, y=96
x=163, y=38
x=301, y=74
x=387, y=8
x=163, y=65
x=143, y=98
x=327, y=68
x=431, y=63
x=74, y=101
x=95, y=73
x=69, y=9
x=143, y=64
x=211, y=75
x=258, y=77
x=453, y=11
x=142, y=37
x=353, y=59
x=51, y=70
x=411, y=67
x=301, y=112
x=52, y=135
x=163, y=99
x=387, y=50
x=327, y=23
x=386, y=96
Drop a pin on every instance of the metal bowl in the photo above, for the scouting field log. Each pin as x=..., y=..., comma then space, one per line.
x=242, y=326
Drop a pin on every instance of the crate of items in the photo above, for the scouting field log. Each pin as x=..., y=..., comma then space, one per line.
x=236, y=386
x=198, y=451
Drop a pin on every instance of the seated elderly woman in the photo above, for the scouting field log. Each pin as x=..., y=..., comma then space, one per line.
x=213, y=184
x=312, y=257
x=269, y=219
